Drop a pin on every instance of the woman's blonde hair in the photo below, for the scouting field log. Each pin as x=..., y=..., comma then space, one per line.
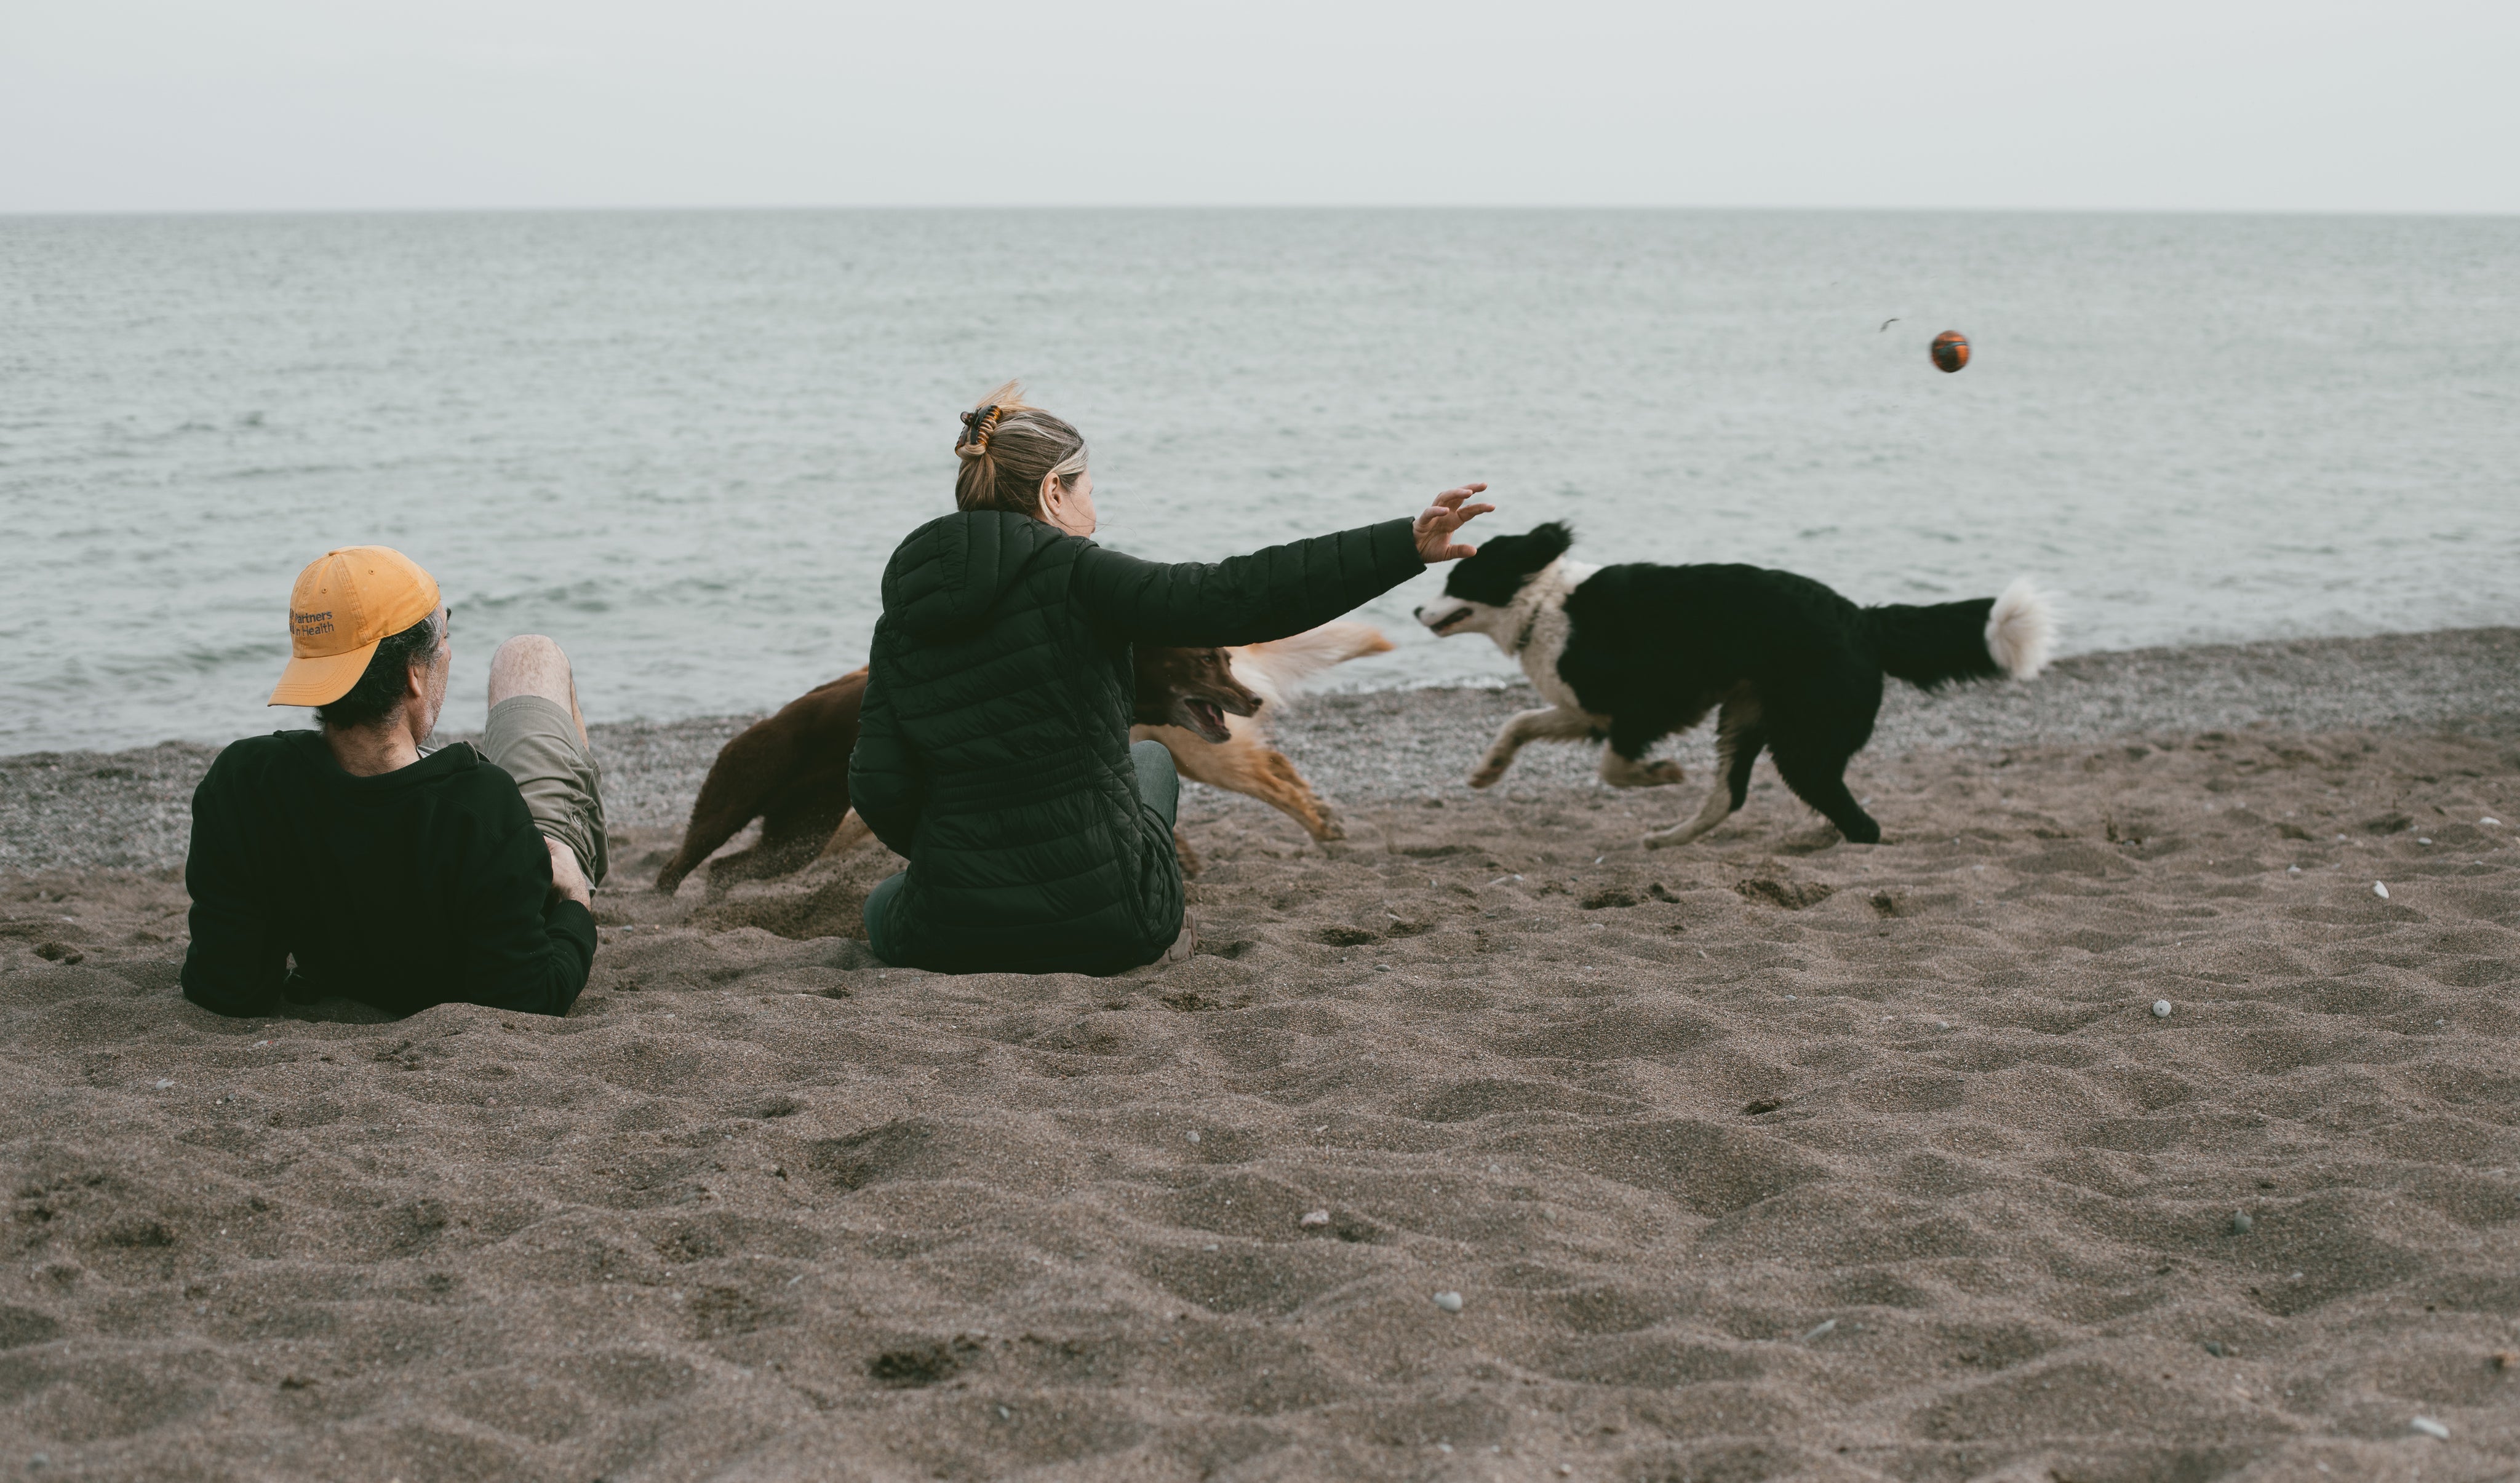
x=1010, y=450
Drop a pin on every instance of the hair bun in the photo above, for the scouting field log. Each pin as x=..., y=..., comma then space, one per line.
x=977, y=425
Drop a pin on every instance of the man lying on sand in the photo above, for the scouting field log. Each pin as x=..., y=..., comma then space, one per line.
x=393, y=878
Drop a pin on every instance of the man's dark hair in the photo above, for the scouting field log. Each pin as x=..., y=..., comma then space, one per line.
x=379, y=693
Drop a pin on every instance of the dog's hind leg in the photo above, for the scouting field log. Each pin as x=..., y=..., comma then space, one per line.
x=794, y=834
x=1738, y=739
x=1819, y=778
x=1551, y=723
x=731, y=797
x=1623, y=760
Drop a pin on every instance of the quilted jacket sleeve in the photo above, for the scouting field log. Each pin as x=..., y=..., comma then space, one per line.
x=1270, y=594
x=887, y=779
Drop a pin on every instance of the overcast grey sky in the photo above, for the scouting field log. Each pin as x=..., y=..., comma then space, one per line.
x=2251, y=104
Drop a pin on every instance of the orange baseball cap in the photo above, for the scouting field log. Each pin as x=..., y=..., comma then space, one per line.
x=346, y=603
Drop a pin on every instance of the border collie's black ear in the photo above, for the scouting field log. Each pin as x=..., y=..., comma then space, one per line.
x=1548, y=542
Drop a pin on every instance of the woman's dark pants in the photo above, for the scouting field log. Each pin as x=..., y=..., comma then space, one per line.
x=1158, y=793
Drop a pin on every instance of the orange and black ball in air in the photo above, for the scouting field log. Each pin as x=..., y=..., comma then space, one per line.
x=1950, y=349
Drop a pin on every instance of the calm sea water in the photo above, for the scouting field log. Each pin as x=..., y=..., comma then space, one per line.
x=684, y=444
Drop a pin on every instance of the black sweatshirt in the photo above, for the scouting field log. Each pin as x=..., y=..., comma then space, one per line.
x=420, y=886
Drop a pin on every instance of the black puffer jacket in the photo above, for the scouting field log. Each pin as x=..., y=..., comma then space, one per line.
x=994, y=748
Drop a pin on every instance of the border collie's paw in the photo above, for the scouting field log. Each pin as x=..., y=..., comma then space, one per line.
x=1664, y=772
x=1811, y=841
x=1488, y=773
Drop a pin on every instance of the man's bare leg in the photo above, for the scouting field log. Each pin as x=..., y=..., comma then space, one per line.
x=559, y=789
x=531, y=664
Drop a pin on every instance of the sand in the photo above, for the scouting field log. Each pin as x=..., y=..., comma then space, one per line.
x=1771, y=1157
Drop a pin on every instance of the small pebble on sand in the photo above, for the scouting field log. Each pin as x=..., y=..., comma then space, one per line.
x=1821, y=1331
x=2241, y=1225
x=2431, y=1429
x=1193, y=1135
x=1314, y=1218
x=1450, y=1302
x=2161, y=1009
x=2380, y=890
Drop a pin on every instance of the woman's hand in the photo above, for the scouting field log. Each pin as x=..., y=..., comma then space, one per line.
x=1434, y=528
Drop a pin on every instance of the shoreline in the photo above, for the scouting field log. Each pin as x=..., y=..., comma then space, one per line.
x=128, y=809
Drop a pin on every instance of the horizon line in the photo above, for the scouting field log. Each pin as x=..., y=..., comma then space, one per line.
x=1530, y=207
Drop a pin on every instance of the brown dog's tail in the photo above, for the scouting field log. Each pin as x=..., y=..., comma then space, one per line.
x=1274, y=669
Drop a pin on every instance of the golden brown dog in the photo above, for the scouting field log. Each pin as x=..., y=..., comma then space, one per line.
x=1243, y=761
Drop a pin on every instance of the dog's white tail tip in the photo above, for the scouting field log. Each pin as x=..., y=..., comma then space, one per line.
x=2022, y=631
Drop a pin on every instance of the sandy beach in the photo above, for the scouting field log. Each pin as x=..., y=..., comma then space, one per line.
x=1483, y=1144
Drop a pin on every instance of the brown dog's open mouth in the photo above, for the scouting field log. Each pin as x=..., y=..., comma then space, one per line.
x=1207, y=717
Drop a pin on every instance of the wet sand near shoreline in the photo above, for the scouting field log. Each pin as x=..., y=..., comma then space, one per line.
x=1769, y=1157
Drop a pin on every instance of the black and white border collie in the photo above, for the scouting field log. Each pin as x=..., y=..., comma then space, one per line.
x=1636, y=652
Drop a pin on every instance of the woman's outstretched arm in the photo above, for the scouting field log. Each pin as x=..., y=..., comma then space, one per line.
x=1272, y=592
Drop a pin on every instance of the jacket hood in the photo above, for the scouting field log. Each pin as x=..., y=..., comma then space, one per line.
x=951, y=571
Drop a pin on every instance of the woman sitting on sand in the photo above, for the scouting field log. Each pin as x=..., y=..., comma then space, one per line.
x=994, y=753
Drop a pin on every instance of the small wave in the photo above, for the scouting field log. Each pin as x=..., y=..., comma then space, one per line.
x=281, y=471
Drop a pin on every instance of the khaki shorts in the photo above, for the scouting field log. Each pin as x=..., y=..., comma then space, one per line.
x=534, y=740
